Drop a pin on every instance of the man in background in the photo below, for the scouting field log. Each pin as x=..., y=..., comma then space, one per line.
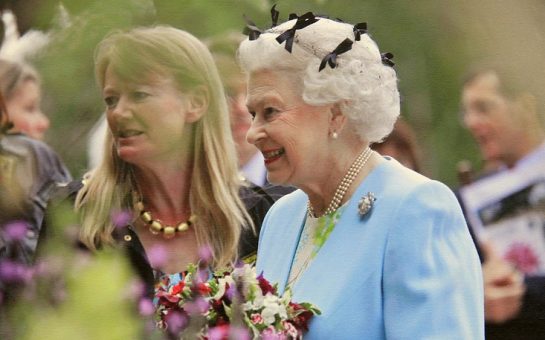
x=503, y=118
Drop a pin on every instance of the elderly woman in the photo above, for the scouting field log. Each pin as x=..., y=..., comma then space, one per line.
x=383, y=251
x=169, y=158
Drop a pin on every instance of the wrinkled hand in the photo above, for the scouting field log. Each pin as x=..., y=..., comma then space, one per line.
x=503, y=288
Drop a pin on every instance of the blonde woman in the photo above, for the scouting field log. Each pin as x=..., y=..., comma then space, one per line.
x=169, y=158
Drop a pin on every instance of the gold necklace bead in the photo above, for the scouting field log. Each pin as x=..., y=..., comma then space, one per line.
x=156, y=226
x=146, y=217
x=169, y=232
x=182, y=227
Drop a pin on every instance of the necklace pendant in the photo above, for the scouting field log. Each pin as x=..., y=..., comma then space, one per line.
x=366, y=204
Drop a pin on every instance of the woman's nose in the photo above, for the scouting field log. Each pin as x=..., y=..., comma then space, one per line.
x=121, y=108
x=255, y=133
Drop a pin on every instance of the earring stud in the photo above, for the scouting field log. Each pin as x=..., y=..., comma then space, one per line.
x=334, y=135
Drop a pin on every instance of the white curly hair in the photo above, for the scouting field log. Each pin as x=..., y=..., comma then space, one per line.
x=365, y=88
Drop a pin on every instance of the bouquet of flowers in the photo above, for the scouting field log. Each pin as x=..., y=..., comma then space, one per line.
x=234, y=303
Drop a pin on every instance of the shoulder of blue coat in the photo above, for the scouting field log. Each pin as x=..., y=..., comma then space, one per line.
x=407, y=180
x=290, y=201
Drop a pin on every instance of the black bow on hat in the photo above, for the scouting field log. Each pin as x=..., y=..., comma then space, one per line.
x=302, y=22
x=331, y=58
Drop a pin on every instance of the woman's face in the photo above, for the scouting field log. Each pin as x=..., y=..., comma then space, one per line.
x=25, y=112
x=291, y=134
x=146, y=119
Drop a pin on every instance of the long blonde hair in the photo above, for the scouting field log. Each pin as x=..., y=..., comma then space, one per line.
x=215, y=182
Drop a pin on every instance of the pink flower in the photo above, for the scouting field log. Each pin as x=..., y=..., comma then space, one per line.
x=256, y=318
x=523, y=257
x=290, y=329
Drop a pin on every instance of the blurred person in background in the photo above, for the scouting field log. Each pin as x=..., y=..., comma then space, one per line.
x=401, y=144
x=29, y=173
x=250, y=160
x=337, y=241
x=20, y=84
x=169, y=161
x=505, y=121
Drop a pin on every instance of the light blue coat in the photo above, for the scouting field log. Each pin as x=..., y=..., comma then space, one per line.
x=409, y=270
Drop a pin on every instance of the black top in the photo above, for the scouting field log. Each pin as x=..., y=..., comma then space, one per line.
x=257, y=201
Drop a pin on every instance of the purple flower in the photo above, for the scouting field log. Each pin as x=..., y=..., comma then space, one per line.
x=121, y=218
x=206, y=254
x=270, y=333
x=176, y=321
x=15, y=231
x=136, y=288
x=239, y=333
x=145, y=307
x=202, y=275
x=197, y=306
x=157, y=256
x=218, y=332
x=11, y=272
x=231, y=292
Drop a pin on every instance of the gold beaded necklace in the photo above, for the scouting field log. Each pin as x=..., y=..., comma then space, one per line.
x=346, y=182
x=156, y=226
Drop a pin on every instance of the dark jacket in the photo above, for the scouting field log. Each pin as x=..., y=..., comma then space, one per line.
x=257, y=202
x=29, y=172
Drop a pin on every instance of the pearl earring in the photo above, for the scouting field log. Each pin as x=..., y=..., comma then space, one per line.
x=334, y=135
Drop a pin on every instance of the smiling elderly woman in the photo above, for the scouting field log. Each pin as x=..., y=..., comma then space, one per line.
x=383, y=251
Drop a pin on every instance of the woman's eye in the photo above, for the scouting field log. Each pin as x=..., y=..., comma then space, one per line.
x=139, y=95
x=110, y=101
x=268, y=111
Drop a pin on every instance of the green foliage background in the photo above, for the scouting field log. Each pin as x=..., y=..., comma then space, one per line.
x=434, y=43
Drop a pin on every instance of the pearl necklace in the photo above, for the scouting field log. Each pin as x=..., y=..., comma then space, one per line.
x=156, y=227
x=346, y=182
